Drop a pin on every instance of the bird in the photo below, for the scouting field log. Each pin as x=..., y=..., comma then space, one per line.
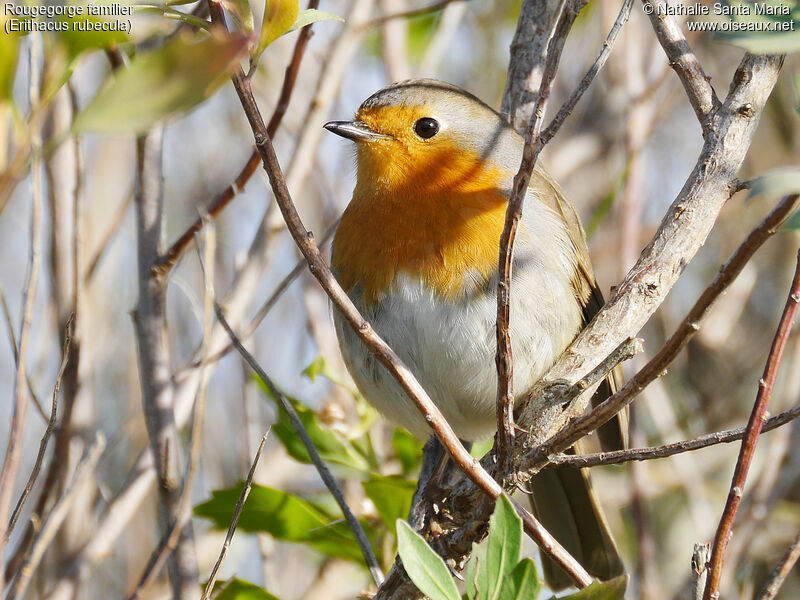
x=416, y=250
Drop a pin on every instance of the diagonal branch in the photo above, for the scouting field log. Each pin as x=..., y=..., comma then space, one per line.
x=682, y=58
x=221, y=200
x=754, y=426
x=382, y=352
x=704, y=441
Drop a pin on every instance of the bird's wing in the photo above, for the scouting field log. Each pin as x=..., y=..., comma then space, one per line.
x=614, y=434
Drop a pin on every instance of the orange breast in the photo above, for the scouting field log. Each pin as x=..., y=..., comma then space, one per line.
x=438, y=219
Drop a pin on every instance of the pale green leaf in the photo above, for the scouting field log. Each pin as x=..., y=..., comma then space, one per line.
x=241, y=13
x=796, y=81
x=80, y=35
x=239, y=589
x=9, y=48
x=312, y=15
x=522, y=583
x=425, y=568
x=161, y=83
x=391, y=495
x=613, y=589
x=279, y=15
x=503, y=550
x=776, y=183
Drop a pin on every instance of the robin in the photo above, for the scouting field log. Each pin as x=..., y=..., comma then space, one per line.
x=416, y=250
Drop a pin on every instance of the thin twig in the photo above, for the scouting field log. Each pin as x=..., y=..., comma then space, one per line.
x=83, y=473
x=221, y=200
x=237, y=512
x=781, y=571
x=504, y=442
x=51, y=427
x=754, y=426
x=107, y=236
x=8, y=472
x=382, y=352
x=409, y=14
x=682, y=58
x=600, y=61
x=268, y=305
x=686, y=330
x=322, y=468
x=704, y=441
x=12, y=339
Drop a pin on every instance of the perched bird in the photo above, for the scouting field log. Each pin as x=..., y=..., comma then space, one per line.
x=417, y=252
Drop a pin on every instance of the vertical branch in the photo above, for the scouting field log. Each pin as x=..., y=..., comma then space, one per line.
x=8, y=472
x=154, y=369
x=530, y=153
x=754, y=426
x=528, y=60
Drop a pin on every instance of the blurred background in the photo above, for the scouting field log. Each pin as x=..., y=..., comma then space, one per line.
x=622, y=157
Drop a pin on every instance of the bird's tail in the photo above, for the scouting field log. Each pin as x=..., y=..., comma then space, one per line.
x=565, y=504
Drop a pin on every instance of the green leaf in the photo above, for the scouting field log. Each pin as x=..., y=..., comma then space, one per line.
x=312, y=15
x=522, y=583
x=285, y=517
x=332, y=446
x=9, y=50
x=796, y=82
x=239, y=589
x=503, y=550
x=241, y=13
x=391, y=496
x=425, y=568
x=408, y=450
x=776, y=183
x=775, y=33
x=279, y=15
x=161, y=83
x=793, y=222
x=613, y=589
x=80, y=35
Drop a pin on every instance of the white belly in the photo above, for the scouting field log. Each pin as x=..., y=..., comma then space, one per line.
x=450, y=346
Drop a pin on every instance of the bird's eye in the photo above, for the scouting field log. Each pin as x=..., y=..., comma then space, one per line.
x=426, y=128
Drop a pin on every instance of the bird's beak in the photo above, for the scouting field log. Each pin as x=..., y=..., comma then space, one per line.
x=354, y=130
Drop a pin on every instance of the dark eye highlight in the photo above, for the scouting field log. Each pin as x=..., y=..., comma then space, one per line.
x=426, y=128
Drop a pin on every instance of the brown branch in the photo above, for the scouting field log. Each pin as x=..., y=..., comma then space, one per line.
x=221, y=200
x=382, y=352
x=600, y=61
x=322, y=468
x=704, y=441
x=107, y=236
x=682, y=58
x=657, y=365
x=504, y=441
x=781, y=571
x=51, y=427
x=754, y=426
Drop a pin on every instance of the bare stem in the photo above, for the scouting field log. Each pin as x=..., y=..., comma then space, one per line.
x=322, y=468
x=754, y=426
x=704, y=441
x=237, y=512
